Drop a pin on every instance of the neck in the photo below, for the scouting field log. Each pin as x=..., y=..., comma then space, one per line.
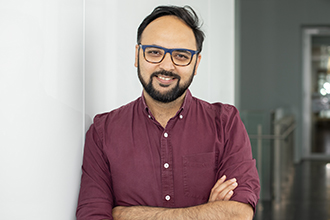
x=163, y=112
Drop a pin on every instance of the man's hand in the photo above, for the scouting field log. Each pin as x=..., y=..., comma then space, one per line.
x=223, y=190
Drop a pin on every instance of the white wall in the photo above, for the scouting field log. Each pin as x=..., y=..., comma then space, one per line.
x=41, y=133
x=46, y=88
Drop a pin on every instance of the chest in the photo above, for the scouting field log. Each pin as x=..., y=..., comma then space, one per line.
x=148, y=163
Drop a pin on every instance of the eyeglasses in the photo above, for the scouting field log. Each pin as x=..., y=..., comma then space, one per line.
x=156, y=54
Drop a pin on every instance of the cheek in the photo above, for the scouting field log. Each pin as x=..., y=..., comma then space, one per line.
x=145, y=71
x=186, y=75
x=147, y=68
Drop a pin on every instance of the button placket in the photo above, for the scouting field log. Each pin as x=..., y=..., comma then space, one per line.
x=167, y=171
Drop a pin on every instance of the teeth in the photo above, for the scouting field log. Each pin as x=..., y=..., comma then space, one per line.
x=163, y=78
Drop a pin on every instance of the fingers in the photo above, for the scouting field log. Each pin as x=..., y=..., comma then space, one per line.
x=223, y=190
x=220, y=181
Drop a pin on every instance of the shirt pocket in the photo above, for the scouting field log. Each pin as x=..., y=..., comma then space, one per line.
x=199, y=172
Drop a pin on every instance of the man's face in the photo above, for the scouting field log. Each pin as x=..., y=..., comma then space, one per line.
x=164, y=81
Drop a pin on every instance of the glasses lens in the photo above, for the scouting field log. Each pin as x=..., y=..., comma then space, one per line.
x=153, y=54
x=181, y=57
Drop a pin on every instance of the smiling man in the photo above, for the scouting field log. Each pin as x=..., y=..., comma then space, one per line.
x=168, y=155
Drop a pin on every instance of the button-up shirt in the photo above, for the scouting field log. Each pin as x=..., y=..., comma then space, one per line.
x=130, y=159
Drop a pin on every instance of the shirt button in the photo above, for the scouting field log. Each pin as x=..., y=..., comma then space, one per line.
x=149, y=116
x=181, y=116
x=167, y=197
x=166, y=165
x=165, y=135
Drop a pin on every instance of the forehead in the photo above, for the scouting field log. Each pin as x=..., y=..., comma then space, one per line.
x=170, y=32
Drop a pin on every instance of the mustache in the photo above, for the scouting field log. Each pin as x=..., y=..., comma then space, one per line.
x=165, y=73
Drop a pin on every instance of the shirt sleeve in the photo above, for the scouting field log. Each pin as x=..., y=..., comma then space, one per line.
x=96, y=195
x=236, y=160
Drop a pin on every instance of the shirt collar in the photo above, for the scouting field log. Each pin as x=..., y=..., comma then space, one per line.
x=145, y=107
x=187, y=100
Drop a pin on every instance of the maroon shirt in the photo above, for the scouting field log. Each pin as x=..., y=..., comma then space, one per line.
x=130, y=159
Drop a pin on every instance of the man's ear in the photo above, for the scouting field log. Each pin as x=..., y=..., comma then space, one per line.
x=136, y=55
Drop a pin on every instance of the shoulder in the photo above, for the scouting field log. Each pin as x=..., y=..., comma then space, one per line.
x=116, y=116
x=225, y=116
x=218, y=108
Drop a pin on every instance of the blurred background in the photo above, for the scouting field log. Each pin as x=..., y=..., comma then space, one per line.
x=63, y=61
x=283, y=66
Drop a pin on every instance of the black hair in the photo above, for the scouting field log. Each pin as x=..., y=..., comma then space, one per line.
x=186, y=14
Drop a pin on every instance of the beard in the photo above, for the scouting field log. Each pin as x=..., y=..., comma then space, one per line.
x=171, y=95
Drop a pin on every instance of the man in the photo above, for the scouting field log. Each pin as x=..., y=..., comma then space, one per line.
x=168, y=155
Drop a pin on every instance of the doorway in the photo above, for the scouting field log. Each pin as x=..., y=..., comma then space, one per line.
x=316, y=92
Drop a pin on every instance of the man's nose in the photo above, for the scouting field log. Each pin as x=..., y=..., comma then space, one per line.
x=167, y=63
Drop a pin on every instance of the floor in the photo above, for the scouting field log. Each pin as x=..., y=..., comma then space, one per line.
x=306, y=198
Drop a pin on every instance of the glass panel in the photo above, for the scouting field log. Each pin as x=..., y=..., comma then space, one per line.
x=320, y=93
x=272, y=140
x=261, y=122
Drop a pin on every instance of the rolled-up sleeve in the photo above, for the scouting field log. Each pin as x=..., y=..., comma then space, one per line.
x=96, y=195
x=237, y=161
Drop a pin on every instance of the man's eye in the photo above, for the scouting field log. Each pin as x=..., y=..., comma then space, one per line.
x=154, y=52
x=182, y=56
